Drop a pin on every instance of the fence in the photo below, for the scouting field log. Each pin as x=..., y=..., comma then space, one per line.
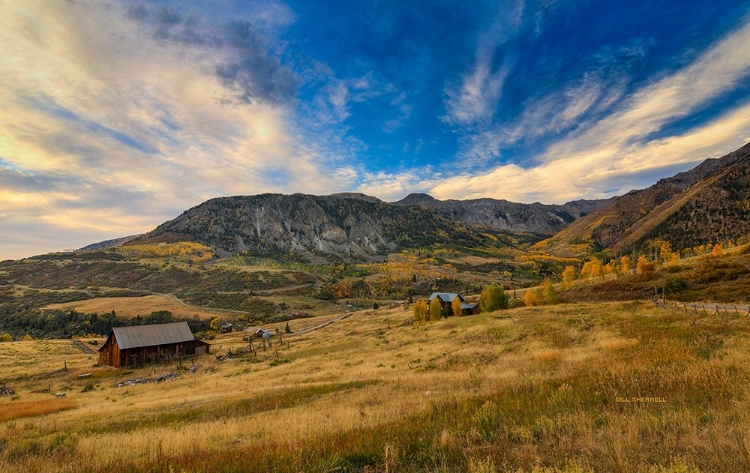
x=705, y=309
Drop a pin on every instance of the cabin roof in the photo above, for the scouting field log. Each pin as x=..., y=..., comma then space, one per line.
x=152, y=335
x=445, y=296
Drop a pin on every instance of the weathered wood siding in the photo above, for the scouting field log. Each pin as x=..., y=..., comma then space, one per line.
x=111, y=354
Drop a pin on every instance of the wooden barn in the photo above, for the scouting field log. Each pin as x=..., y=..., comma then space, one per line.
x=129, y=346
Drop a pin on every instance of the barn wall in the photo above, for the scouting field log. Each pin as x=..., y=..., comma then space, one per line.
x=109, y=354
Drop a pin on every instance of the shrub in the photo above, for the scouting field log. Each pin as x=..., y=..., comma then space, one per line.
x=6, y=337
x=675, y=284
x=487, y=421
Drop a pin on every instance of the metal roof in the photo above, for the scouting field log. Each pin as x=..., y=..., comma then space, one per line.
x=152, y=335
x=444, y=296
x=466, y=305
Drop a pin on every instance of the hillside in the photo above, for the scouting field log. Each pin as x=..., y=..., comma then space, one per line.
x=349, y=225
x=508, y=216
x=707, y=204
x=575, y=388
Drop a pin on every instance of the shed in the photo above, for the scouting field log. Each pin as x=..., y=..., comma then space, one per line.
x=129, y=346
x=226, y=328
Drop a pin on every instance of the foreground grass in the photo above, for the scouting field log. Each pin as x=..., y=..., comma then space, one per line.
x=531, y=389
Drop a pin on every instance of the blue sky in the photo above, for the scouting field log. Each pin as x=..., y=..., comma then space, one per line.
x=117, y=116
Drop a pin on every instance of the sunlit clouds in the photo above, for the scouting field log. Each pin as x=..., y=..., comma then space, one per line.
x=116, y=115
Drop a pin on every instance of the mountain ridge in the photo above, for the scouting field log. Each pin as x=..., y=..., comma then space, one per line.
x=714, y=192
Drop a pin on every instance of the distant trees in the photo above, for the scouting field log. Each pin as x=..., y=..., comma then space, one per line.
x=493, y=298
x=543, y=295
x=592, y=269
x=626, y=265
x=644, y=267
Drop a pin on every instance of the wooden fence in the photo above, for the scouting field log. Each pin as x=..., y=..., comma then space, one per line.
x=704, y=309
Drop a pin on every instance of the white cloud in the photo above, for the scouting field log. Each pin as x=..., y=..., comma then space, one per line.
x=94, y=107
x=474, y=100
x=597, y=155
x=593, y=175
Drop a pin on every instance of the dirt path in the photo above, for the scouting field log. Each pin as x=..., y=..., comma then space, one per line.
x=320, y=326
x=83, y=347
x=189, y=306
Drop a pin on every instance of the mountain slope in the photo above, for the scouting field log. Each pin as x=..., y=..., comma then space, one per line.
x=508, y=216
x=708, y=203
x=345, y=224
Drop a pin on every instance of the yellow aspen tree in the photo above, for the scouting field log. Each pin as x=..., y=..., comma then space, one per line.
x=673, y=260
x=718, y=250
x=568, y=276
x=626, y=265
x=420, y=311
x=644, y=266
x=436, y=309
x=456, y=306
x=528, y=299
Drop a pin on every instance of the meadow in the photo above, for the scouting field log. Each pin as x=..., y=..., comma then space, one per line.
x=622, y=386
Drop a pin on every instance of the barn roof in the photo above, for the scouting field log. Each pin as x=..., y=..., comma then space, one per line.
x=467, y=305
x=152, y=335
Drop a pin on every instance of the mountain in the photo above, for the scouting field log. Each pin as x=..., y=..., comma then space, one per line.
x=707, y=204
x=508, y=216
x=341, y=224
x=109, y=243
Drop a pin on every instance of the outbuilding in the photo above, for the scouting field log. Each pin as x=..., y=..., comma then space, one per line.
x=141, y=344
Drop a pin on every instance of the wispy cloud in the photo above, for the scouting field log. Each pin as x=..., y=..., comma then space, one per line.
x=473, y=100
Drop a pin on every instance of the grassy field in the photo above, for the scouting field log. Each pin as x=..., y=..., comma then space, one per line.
x=132, y=306
x=620, y=386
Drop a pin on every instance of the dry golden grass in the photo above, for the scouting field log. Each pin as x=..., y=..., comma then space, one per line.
x=132, y=306
x=537, y=388
x=19, y=409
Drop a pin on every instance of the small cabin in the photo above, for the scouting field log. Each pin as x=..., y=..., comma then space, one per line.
x=447, y=298
x=226, y=328
x=141, y=344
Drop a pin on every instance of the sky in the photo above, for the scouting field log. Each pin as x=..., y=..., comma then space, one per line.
x=116, y=116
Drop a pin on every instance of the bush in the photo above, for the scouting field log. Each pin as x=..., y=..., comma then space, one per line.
x=716, y=269
x=487, y=421
x=675, y=284
x=6, y=337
